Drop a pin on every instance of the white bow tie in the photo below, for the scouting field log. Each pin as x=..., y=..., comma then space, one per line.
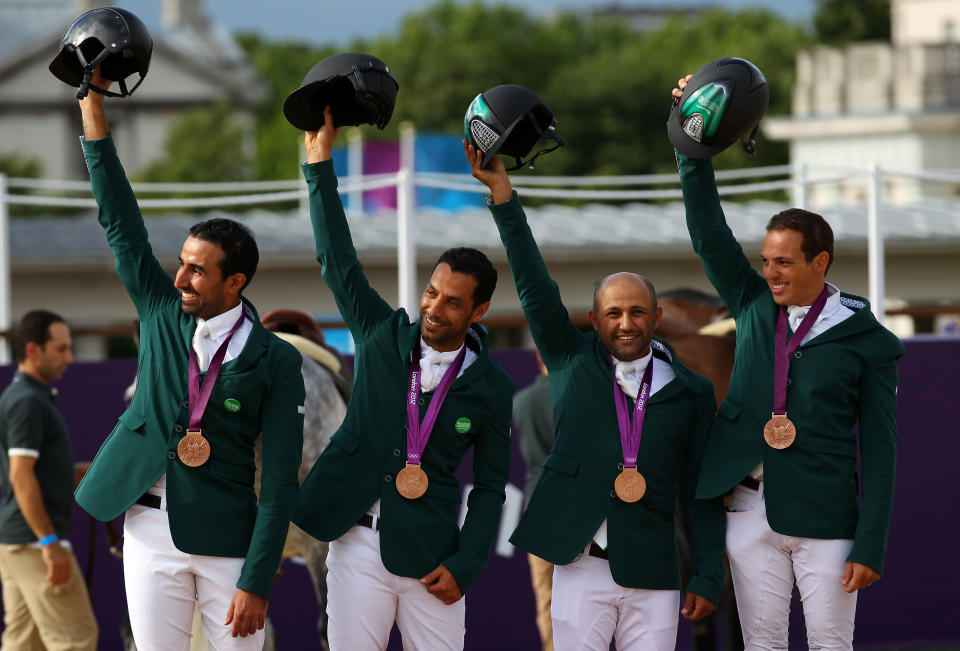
x=630, y=374
x=433, y=364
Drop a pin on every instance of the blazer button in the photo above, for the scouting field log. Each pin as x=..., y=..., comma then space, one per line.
x=420, y=401
x=620, y=466
x=178, y=428
x=797, y=354
x=185, y=404
x=789, y=381
x=396, y=452
x=388, y=478
x=613, y=493
x=171, y=455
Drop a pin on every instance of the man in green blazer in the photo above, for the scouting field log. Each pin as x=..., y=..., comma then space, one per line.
x=399, y=555
x=184, y=472
x=783, y=446
x=616, y=573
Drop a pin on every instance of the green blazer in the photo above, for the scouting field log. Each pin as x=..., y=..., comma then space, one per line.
x=575, y=490
x=213, y=509
x=844, y=376
x=370, y=448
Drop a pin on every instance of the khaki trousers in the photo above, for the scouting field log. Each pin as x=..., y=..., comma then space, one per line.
x=541, y=575
x=40, y=616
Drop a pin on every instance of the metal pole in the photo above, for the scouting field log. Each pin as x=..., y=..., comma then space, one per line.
x=4, y=267
x=406, y=244
x=875, y=262
x=801, y=191
x=355, y=168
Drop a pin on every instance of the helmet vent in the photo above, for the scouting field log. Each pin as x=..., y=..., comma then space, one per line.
x=483, y=135
x=693, y=127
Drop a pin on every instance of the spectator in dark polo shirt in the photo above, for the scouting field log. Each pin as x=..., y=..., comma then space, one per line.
x=45, y=600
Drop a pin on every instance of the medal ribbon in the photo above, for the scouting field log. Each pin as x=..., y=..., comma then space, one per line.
x=783, y=350
x=200, y=396
x=632, y=429
x=419, y=433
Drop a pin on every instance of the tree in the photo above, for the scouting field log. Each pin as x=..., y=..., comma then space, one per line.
x=204, y=145
x=837, y=22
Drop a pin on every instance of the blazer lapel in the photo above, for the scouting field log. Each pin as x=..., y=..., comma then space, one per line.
x=254, y=347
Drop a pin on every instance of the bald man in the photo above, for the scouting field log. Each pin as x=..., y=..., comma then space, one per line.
x=630, y=420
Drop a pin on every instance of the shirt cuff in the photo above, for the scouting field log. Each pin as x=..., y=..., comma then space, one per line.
x=23, y=452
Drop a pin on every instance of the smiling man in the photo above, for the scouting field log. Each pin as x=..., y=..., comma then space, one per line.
x=630, y=421
x=181, y=461
x=812, y=364
x=384, y=491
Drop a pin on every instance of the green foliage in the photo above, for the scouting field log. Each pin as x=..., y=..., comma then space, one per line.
x=837, y=22
x=18, y=166
x=609, y=87
x=205, y=144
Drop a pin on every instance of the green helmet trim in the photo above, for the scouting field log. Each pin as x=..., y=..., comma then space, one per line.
x=703, y=111
x=479, y=124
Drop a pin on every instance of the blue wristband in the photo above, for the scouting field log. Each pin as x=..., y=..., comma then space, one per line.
x=49, y=540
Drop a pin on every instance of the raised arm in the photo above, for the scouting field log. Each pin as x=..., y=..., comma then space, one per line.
x=555, y=335
x=146, y=281
x=361, y=307
x=722, y=256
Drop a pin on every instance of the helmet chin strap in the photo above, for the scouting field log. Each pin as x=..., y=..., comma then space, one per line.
x=550, y=133
x=89, y=67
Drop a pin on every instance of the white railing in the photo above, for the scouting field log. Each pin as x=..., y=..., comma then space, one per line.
x=797, y=180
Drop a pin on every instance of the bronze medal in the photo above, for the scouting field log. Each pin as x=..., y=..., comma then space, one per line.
x=193, y=449
x=779, y=432
x=630, y=485
x=412, y=481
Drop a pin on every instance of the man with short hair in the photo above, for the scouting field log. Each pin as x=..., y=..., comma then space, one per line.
x=630, y=420
x=45, y=601
x=812, y=363
x=384, y=491
x=181, y=462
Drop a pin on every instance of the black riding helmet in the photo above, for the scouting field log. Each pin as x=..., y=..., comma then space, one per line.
x=358, y=88
x=509, y=119
x=722, y=103
x=109, y=37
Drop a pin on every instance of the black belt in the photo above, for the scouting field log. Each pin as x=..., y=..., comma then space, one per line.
x=598, y=551
x=751, y=483
x=153, y=501
x=367, y=521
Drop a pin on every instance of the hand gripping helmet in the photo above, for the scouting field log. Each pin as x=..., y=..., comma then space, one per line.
x=722, y=103
x=509, y=119
x=109, y=37
x=358, y=88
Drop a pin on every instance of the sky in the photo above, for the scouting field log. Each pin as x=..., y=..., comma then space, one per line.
x=338, y=22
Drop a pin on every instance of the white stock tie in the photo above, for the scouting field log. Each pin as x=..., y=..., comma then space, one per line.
x=432, y=366
x=200, y=338
x=629, y=375
x=795, y=314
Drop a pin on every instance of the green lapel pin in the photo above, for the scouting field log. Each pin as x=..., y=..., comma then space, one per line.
x=232, y=405
x=462, y=425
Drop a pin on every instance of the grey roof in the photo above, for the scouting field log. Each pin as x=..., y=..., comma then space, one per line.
x=563, y=232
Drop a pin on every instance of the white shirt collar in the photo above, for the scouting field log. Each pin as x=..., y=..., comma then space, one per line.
x=795, y=313
x=637, y=366
x=219, y=326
